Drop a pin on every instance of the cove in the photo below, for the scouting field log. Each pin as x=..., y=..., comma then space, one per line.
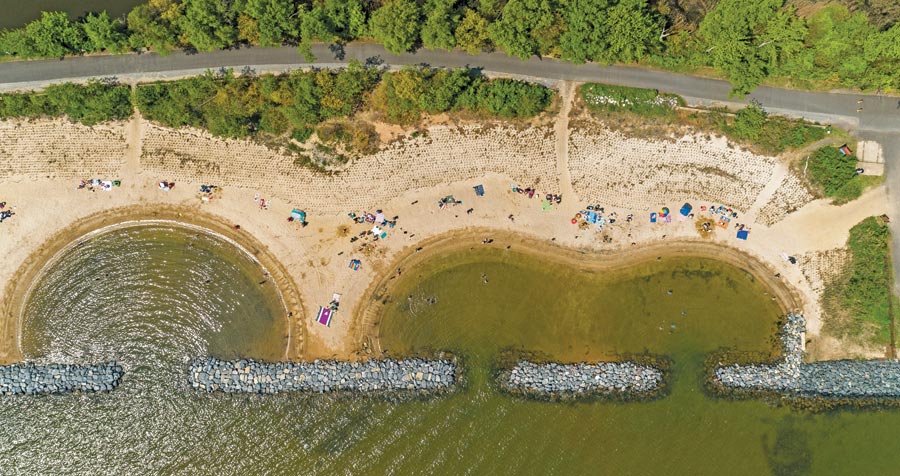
x=150, y=425
x=479, y=304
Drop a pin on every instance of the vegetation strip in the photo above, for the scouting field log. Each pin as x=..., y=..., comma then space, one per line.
x=324, y=376
x=859, y=304
x=34, y=379
x=838, y=379
x=269, y=106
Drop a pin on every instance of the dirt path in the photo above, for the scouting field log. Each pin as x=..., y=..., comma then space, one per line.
x=765, y=195
x=134, y=138
x=567, y=95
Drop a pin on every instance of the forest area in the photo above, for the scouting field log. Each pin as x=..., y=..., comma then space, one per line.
x=803, y=43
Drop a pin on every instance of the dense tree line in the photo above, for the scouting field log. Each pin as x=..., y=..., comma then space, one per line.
x=297, y=102
x=746, y=41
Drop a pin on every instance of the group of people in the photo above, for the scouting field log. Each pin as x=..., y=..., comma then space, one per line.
x=262, y=202
x=377, y=218
x=207, y=192
x=94, y=184
x=4, y=213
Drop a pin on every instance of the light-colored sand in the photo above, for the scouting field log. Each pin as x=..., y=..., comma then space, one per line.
x=406, y=179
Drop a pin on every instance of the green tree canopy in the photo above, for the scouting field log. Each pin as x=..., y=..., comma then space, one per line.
x=523, y=27
x=152, y=25
x=441, y=20
x=882, y=53
x=747, y=40
x=633, y=31
x=472, y=33
x=275, y=21
x=346, y=18
x=587, y=32
x=54, y=35
x=396, y=25
x=832, y=47
x=209, y=24
x=104, y=33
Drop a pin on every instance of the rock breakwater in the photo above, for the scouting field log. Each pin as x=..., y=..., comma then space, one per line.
x=321, y=376
x=34, y=379
x=553, y=380
x=837, y=379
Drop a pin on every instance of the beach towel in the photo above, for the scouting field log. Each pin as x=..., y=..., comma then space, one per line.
x=324, y=316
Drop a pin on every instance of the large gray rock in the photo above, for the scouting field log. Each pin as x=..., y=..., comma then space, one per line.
x=321, y=376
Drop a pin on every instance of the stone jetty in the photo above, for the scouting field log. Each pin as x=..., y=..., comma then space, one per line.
x=321, y=376
x=550, y=380
x=33, y=379
x=837, y=379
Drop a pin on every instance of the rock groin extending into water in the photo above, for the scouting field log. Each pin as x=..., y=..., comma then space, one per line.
x=552, y=380
x=33, y=379
x=839, y=379
x=321, y=376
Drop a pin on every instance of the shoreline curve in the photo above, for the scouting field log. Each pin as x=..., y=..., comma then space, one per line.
x=30, y=271
x=366, y=329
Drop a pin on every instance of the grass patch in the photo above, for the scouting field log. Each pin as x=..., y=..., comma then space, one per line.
x=645, y=102
x=854, y=188
x=354, y=137
x=858, y=303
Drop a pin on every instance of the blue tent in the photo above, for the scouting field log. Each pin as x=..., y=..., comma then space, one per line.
x=743, y=234
x=479, y=190
x=298, y=215
x=590, y=217
x=653, y=217
x=686, y=209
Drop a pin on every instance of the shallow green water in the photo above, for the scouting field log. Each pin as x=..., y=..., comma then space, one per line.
x=155, y=308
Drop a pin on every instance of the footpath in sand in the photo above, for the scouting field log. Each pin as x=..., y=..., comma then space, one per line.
x=42, y=163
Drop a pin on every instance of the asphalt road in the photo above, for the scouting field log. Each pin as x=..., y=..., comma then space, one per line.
x=878, y=120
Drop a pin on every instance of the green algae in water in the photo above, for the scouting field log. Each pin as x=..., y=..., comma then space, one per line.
x=480, y=304
x=152, y=425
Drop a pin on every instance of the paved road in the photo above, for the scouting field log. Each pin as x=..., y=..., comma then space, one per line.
x=880, y=113
x=879, y=120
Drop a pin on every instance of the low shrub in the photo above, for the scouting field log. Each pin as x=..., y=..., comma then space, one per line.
x=648, y=102
x=89, y=104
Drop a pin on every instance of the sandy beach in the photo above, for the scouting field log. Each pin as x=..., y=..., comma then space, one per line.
x=42, y=163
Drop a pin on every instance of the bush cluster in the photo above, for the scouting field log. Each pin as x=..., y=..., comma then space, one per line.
x=835, y=174
x=403, y=96
x=88, y=104
x=296, y=103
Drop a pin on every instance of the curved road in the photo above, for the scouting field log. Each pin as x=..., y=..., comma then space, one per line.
x=879, y=120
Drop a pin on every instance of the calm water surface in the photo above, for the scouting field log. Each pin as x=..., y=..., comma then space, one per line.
x=152, y=297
